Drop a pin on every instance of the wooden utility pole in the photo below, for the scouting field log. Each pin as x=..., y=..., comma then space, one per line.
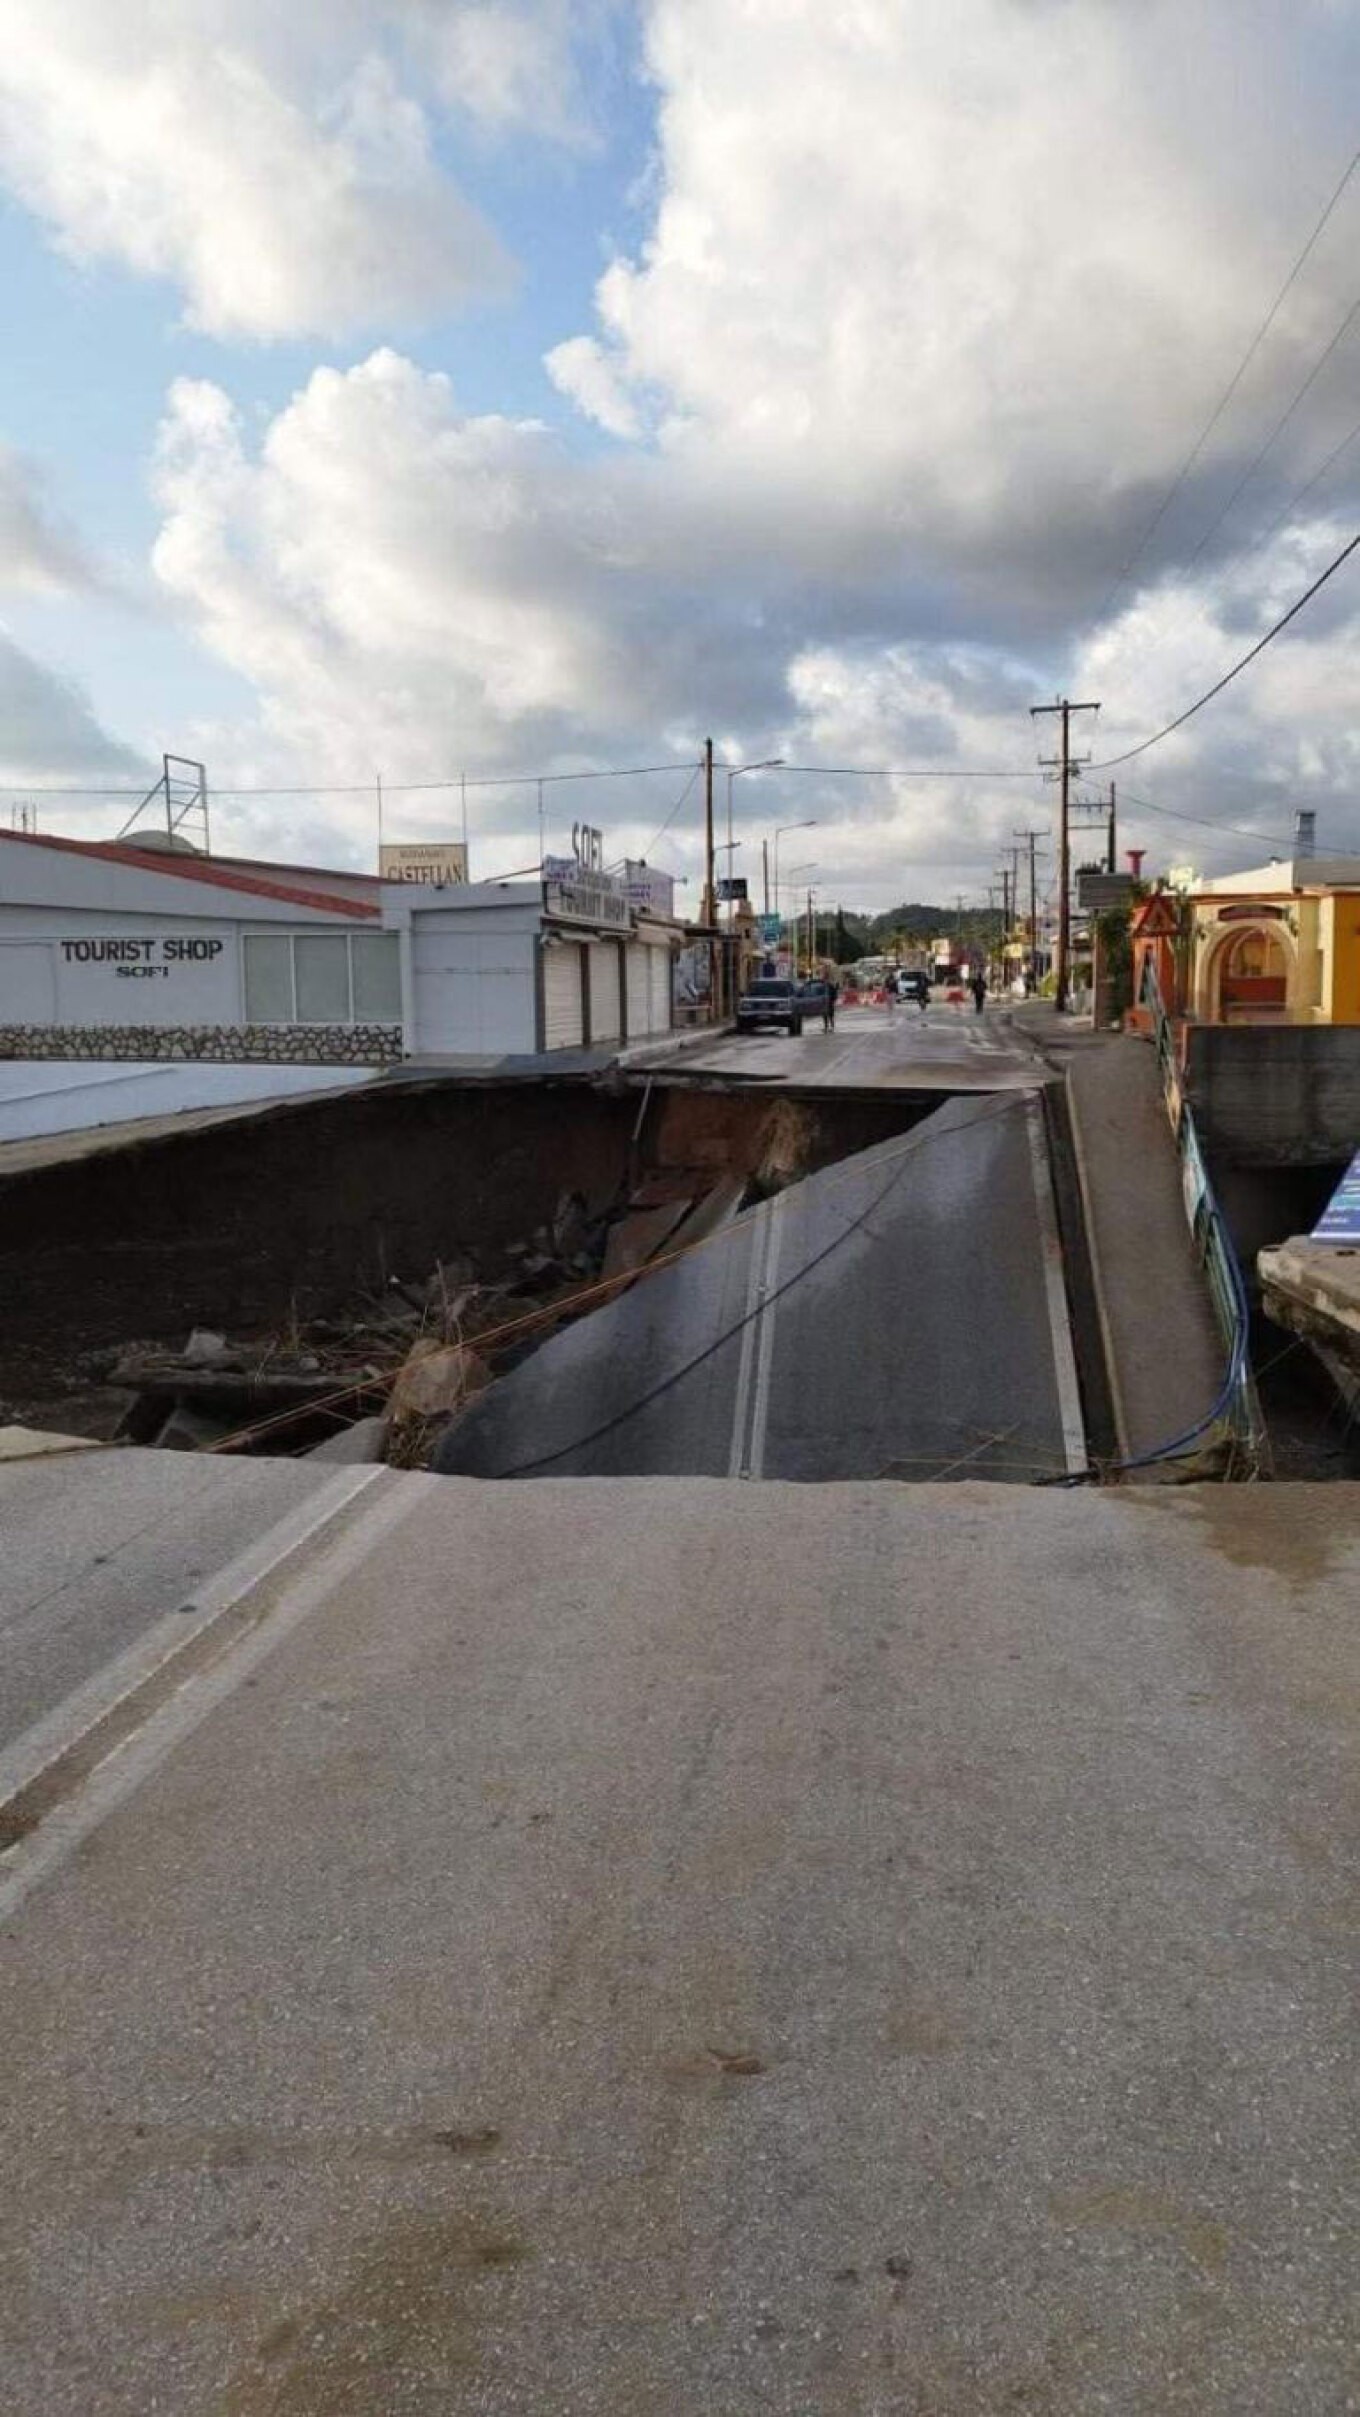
x=1109, y=856
x=1062, y=764
x=1030, y=839
x=710, y=903
x=709, y=899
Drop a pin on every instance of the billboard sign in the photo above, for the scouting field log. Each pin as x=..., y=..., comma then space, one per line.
x=1340, y=1220
x=433, y=863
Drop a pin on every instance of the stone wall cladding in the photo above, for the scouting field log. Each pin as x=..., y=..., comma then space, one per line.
x=222, y=1044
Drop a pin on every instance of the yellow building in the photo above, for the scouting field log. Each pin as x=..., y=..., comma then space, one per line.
x=1279, y=945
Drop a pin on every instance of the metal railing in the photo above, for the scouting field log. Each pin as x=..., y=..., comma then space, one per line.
x=1235, y=1420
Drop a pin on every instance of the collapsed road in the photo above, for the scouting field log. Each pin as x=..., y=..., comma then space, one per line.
x=899, y=1314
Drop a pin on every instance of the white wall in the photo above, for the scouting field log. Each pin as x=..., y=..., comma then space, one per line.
x=473, y=980
x=142, y=971
x=56, y=1097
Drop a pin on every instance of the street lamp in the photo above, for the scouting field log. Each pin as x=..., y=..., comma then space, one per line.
x=768, y=763
x=794, y=869
x=787, y=826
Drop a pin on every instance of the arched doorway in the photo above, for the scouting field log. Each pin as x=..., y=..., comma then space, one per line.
x=1251, y=977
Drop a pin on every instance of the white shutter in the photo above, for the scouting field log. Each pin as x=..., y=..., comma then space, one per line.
x=662, y=980
x=639, y=990
x=605, y=1018
x=562, y=1024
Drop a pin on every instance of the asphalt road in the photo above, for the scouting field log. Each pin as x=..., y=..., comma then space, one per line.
x=874, y=1048
x=901, y=1313
x=90, y=1566
x=661, y=1949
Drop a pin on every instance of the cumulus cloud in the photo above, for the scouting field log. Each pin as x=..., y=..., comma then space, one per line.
x=281, y=176
x=929, y=306
x=515, y=69
x=39, y=554
x=972, y=270
x=48, y=730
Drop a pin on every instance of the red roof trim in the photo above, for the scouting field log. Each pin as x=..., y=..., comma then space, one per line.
x=196, y=868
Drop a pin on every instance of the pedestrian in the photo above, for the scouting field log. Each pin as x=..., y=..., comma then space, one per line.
x=829, y=998
x=890, y=988
x=978, y=987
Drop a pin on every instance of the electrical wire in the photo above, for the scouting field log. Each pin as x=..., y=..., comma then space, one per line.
x=1297, y=497
x=921, y=1139
x=1109, y=762
x=1229, y=391
x=408, y=788
x=1201, y=821
x=905, y=772
x=661, y=833
x=1277, y=431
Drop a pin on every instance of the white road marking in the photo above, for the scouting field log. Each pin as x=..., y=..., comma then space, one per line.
x=760, y=1243
x=131, y=1763
x=760, y=1408
x=1055, y=1291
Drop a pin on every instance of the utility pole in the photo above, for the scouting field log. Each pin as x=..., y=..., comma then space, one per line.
x=1063, y=766
x=710, y=906
x=1109, y=853
x=765, y=867
x=1029, y=838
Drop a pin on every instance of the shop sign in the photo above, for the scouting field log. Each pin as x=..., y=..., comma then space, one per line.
x=435, y=862
x=649, y=892
x=143, y=959
x=577, y=896
x=1340, y=1220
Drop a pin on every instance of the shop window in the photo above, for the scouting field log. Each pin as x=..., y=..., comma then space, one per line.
x=322, y=978
x=269, y=979
x=377, y=977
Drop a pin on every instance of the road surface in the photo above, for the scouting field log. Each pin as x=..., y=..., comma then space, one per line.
x=92, y=1566
x=949, y=1049
x=648, y=1949
x=901, y=1313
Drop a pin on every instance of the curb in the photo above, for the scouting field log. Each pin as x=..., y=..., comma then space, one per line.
x=1121, y=1426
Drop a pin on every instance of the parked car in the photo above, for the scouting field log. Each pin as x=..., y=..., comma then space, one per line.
x=812, y=995
x=770, y=1002
x=915, y=986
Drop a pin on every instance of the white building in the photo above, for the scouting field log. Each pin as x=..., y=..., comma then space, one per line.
x=112, y=951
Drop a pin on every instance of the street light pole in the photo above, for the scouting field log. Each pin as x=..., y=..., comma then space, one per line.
x=779, y=834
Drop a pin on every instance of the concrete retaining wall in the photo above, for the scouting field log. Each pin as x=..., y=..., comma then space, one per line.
x=1275, y=1095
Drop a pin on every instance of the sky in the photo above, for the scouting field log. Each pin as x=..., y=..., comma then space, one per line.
x=505, y=388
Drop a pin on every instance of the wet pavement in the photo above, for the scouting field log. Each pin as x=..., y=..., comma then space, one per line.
x=901, y=1313
x=643, y=1949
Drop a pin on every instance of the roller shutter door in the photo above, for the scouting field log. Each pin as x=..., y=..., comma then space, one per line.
x=639, y=991
x=606, y=1021
x=563, y=1026
x=661, y=989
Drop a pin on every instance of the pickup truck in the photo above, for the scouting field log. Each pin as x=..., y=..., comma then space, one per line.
x=770, y=1002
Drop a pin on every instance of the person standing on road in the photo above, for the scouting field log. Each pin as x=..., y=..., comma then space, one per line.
x=978, y=987
x=890, y=988
x=829, y=998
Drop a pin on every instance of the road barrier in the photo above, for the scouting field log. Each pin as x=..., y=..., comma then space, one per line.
x=1235, y=1420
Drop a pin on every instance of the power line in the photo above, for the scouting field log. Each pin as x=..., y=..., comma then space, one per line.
x=1278, y=430
x=660, y=834
x=1306, y=489
x=408, y=788
x=907, y=772
x=1229, y=391
x=1109, y=762
x=1175, y=814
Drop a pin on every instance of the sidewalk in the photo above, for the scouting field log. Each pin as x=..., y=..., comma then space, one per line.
x=1162, y=1343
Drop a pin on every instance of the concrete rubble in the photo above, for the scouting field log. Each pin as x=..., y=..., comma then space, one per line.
x=1313, y=1288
